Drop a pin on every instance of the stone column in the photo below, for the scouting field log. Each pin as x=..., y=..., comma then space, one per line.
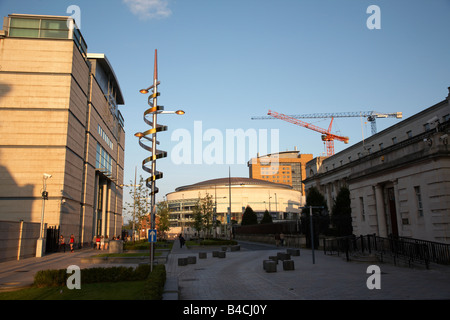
x=381, y=214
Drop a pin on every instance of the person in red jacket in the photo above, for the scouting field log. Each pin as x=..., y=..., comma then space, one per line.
x=71, y=241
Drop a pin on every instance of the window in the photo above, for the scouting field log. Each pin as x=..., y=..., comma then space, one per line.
x=418, y=201
x=105, y=137
x=394, y=140
x=409, y=134
x=46, y=28
x=381, y=146
x=103, y=160
x=21, y=27
x=361, y=205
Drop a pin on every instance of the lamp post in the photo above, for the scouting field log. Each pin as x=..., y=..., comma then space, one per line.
x=150, y=135
x=311, y=228
x=40, y=242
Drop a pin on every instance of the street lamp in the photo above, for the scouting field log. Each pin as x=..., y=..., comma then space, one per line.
x=40, y=242
x=311, y=227
x=150, y=135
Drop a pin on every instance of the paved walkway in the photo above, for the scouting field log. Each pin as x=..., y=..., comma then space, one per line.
x=240, y=276
x=16, y=274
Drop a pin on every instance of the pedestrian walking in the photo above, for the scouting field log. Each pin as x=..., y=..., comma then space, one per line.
x=106, y=242
x=71, y=241
x=282, y=239
x=182, y=241
x=62, y=243
x=277, y=239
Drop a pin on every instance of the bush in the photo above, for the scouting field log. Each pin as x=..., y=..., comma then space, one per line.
x=219, y=242
x=156, y=280
x=52, y=278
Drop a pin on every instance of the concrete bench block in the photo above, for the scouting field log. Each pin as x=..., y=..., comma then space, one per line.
x=182, y=261
x=288, y=265
x=215, y=254
x=269, y=266
x=283, y=256
x=274, y=258
x=293, y=252
x=222, y=254
x=192, y=259
x=202, y=255
x=224, y=248
x=235, y=248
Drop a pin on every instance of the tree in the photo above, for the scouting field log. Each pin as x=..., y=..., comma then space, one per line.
x=341, y=217
x=140, y=206
x=203, y=214
x=162, y=223
x=267, y=218
x=249, y=217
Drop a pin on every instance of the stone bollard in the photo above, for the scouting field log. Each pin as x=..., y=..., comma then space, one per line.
x=270, y=266
x=288, y=265
x=116, y=246
x=283, y=256
x=215, y=254
x=202, y=255
x=293, y=252
x=274, y=258
x=222, y=254
x=192, y=260
x=182, y=261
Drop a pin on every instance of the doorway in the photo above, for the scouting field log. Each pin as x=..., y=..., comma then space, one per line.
x=392, y=211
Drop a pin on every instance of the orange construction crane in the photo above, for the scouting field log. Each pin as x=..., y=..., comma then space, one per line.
x=327, y=136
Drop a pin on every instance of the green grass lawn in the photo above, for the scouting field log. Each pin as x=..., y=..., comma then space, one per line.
x=127, y=290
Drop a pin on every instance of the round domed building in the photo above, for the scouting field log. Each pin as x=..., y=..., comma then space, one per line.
x=280, y=200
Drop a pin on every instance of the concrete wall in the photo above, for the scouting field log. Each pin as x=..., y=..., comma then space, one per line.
x=18, y=240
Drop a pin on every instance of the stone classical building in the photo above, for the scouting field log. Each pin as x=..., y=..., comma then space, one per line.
x=399, y=178
x=61, y=136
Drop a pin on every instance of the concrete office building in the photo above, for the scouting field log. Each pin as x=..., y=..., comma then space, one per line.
x=58, y=116
x=399, y=178
x=280, y=200
x=286, y=167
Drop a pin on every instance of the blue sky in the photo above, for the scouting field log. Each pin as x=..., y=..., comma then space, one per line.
x=224, y=61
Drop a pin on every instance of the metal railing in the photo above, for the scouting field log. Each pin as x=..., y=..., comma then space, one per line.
x=398, y=249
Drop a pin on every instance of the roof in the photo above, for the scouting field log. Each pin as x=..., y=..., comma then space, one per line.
x=106, y=66
x=235, y=181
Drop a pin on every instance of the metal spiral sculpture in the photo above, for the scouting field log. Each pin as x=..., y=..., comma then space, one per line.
x=149, y=163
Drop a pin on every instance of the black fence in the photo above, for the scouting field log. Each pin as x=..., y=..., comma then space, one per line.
x=52, y=242
x=396, y=248
x=288, y=227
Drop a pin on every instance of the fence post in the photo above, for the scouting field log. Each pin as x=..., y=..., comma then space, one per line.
x=362, y=243
x=368, y=244
x=347, y=245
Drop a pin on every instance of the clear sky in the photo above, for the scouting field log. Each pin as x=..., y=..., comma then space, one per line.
x=224, y=61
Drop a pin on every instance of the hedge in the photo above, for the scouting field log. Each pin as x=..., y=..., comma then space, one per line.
x=51, y=278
